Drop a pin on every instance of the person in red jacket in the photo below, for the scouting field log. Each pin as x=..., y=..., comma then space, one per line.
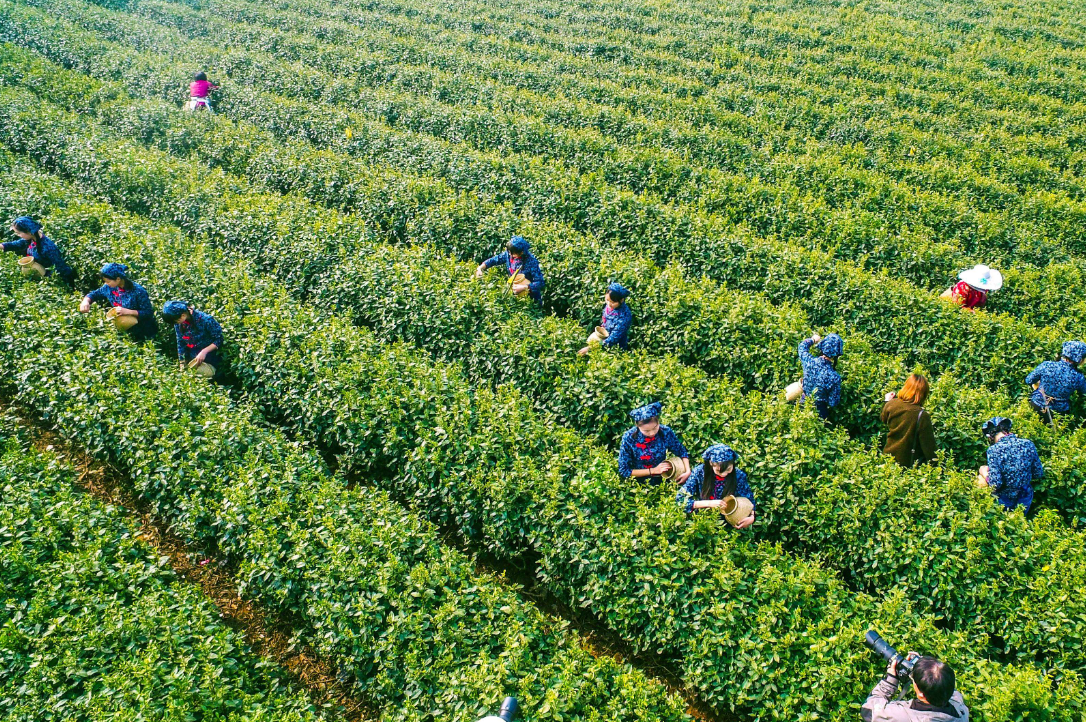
x=974, y=285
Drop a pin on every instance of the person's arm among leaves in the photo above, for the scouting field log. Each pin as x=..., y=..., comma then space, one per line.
x=877, y=707
x=214, y=330
x=16, y=246
x=626, y=458
x=97, y=295
x=501, y=258
x=689, y=491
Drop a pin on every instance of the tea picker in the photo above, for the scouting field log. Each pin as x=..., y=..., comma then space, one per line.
x=1013, y=465
x=614, y=328
x=130, y=306
x=910, y=437
x=40, y=254
x=199, y=90
x=525, y=275
x=974, y=285
x=820, y=381
x=718, y=484
x=199, y=338
x=651, y=450
x=1054, y=381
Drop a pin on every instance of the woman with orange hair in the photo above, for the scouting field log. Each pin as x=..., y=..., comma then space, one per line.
x=911, y=439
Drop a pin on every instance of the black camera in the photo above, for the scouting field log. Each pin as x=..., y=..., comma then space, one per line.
x=507, y=714
x=905, y=663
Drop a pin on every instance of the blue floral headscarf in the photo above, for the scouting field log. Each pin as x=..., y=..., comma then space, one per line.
x=618, y=292
x=1074, y=350
x=173, y=310
x=518, y=244
x=26, y=224
x=832, y=346
x=649, y=411
x=720, y=454
x=995, y=425
x=113, y=271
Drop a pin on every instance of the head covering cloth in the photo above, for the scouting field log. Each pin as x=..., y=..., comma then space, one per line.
x=113, y=271
x=720, y=454
x=26, y=224
x=518, y=244
x=618, y=292
x=995, y=425
x=831, y=346
x=647, y=412
x=172, y=310
x=1074, y=350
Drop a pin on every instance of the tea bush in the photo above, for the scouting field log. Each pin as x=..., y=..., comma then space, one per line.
x=721, y=331
x=96, y=625
x=382, y=409
x=535, y=364
x=369, y=586
x=881, y=305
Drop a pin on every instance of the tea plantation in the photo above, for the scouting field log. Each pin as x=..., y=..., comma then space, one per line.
x=413, y=472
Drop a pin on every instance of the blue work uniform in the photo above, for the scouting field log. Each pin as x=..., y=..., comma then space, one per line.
x=639, y=452
x=1013, y=465
x=528, y=265
x=45, y=252
x=820, y=379
x=691, y=489
x=617, y=324
x=137, y=300
x=1057, y=380
x=196, y=335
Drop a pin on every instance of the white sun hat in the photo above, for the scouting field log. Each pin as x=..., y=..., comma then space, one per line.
x=982, y=278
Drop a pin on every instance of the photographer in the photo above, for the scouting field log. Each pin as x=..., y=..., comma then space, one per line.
x=936, y=699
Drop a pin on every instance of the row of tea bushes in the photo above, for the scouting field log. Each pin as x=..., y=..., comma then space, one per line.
x=332, y=390
x=584, y=397
x=96, y=625
x=448, y=317
x=699, y=241
x=366, y=584
x=723, y=332
x=824, y=193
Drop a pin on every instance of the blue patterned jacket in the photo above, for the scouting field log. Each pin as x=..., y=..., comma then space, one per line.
x=137, y=300
x=637, y=452
x=529, y=267
x=820, y=379
x=1059, y=380
x=196, y=335
x=691, y=489
x=617, y=324
x=46, y=253
x=1013, y=465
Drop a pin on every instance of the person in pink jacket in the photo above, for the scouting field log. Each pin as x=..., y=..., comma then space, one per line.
x=199, y=91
